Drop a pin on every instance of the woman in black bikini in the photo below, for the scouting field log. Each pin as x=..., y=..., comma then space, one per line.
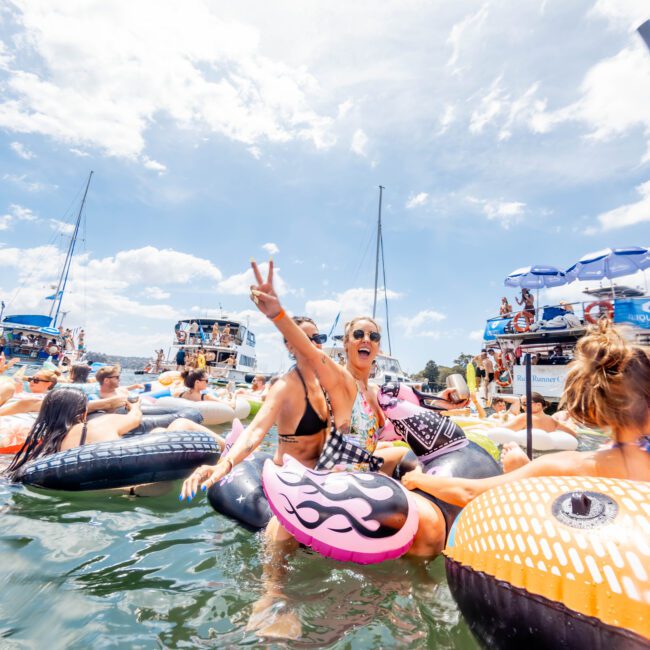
x=61, y=424
x=296, y=403
x=196, y=381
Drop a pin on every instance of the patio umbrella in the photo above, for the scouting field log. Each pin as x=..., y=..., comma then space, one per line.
x=610, y=263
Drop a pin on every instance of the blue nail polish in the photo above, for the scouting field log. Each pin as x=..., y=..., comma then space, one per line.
x=193, y=494
x=180, y=497
x=203, y=488
x=189, y=498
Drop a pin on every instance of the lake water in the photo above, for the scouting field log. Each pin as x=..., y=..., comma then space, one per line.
x=82, y=570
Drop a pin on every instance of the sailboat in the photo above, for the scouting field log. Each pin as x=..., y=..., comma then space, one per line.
x=387, y=367
x=35, y=338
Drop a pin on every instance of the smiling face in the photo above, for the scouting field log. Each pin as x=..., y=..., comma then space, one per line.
x=361, y=350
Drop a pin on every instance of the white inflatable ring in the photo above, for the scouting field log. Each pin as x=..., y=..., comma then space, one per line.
x=212, y=412
x=542, y=440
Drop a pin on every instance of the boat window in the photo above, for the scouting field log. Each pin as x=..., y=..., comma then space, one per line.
x=250, y=339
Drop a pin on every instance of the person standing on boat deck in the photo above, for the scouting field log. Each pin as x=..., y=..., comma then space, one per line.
x=487, y=375
x=225, y=336
x=505, y=309
x=180, y=359
x=527, y=301
x=160, y=357
x=215, y=334
x=194, y=330
x=81, y=341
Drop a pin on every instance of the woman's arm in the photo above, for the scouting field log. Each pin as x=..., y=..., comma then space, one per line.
x=517, y=424
x=248, y=441
x=479, y=408
x=460, y=491
x=330, y=374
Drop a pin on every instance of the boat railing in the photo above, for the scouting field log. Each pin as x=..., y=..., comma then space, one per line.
x=571, y=315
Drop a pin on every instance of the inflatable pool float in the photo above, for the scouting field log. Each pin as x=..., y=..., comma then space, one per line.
x=239, y=495
x=149, y=458
x=555, y=563
x=542, y=440
x=14, y=430
x=348, y=516
x=255, y=404
x=212, y=412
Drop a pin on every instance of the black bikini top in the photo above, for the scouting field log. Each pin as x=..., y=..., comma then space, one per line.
x=310, y=423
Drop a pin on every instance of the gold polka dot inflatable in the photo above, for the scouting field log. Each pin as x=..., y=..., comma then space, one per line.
x=555, y=563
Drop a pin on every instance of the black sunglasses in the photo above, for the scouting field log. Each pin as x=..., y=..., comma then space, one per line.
x=36, y=380
x=113, y=377
x=318, y=338
x=375, y=337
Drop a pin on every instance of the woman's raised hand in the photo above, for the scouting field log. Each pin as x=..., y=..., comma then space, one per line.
x=263, y=294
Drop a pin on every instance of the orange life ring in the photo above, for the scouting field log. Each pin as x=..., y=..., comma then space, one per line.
x=528, y=318
x=599, y=304
x=499, y=374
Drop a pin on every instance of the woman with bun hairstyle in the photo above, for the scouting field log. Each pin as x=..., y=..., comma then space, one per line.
x=607, y=386
x=196, y=382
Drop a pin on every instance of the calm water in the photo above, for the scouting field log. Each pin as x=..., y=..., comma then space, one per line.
x=82, y=570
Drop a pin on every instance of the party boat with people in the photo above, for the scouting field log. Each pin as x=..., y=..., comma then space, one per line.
x=33, y=339
x=549, y=334
x=227, y=344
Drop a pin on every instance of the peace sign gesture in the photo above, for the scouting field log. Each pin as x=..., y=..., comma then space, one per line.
x=263, y=294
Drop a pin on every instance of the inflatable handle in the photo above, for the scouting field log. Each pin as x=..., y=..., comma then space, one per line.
x=160, y=393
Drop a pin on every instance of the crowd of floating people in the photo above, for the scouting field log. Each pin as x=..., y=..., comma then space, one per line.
x=336, y=456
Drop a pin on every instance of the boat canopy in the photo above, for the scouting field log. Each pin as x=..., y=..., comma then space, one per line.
x=34, y=320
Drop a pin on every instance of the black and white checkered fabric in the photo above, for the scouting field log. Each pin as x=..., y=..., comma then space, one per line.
x=339, y=451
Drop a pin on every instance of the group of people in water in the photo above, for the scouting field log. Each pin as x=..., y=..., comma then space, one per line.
x=320, y=404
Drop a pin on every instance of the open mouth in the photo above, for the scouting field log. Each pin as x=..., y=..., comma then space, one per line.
x=364, y=352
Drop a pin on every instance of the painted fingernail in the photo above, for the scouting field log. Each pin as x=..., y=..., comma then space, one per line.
x=180, y=497
x=193, y=494
x=203, y=488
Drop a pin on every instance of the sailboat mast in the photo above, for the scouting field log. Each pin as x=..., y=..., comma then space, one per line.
x=374, y=302
x=63, y=279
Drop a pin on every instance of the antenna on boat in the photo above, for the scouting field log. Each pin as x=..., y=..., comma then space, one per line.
x=63, y=279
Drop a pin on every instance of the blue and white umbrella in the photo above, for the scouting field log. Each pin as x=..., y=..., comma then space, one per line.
x=610, y=263
x=536, y=277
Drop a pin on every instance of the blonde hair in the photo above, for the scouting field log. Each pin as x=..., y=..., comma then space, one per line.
x=350, y=325
x=608, y=383
x=48, y=375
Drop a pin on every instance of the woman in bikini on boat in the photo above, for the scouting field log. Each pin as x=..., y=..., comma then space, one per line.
x=607, y=386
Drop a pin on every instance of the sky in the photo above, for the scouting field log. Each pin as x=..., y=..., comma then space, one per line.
x=506, y=133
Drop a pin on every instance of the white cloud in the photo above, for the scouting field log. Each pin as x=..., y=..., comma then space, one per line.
x=359, y=143
x=490, y=106
x=627, y=14
x=239, y=284
x=630, y=214
x=271, y=248
x=416, y=200
x=446, y=119
x=62, y=226
x=476, y=335
x=156, y=293
x=22, y=151
x=16, y=213
x=416, y=325
x=24, y=183
x=505, y=212
x=458, y=32
x=102, y=83
x=615, y=98
x=351, y=303
x=154, y=165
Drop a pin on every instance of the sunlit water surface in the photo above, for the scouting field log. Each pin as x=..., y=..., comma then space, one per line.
x=81, y=570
